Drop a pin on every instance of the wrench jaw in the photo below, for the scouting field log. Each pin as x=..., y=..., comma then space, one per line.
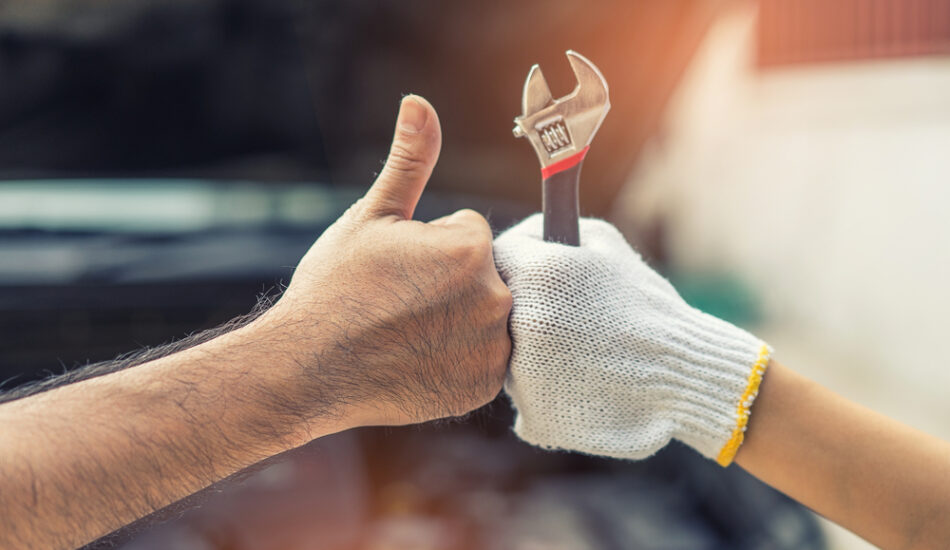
x=536, y=94
x=559, y=129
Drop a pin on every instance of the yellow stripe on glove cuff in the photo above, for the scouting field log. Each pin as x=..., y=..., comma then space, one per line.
x=744, y=408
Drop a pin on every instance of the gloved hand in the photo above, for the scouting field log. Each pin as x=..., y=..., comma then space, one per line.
x=607, y=359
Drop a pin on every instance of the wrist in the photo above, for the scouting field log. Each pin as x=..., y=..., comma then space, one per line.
x=783, y=392
x=278, y=387
x=718, y=370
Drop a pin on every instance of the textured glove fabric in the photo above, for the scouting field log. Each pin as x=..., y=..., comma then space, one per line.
x=607, y=359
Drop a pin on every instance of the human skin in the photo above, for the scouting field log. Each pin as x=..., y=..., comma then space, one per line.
x=386, y=321
x=884, y=481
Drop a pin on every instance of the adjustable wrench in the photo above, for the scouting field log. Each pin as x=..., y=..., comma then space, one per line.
x=560, y=130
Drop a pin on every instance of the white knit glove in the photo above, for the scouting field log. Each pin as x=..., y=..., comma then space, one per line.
x=607, y=359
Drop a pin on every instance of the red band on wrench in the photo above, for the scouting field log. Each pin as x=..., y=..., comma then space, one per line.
x=564, y=164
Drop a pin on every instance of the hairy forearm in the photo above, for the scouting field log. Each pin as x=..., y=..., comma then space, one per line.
x=386, y=321
x=135, y=358
x=883, y=480
x=81, y=460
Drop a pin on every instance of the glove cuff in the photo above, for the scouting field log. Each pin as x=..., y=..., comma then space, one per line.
x=719, y=374
x=744, y=407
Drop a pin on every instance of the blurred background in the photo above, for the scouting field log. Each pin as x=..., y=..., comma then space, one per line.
x=783, y=162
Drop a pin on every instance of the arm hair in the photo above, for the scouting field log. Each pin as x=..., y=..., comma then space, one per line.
x=136, y=358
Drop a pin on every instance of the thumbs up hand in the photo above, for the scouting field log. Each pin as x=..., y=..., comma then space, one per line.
x=389, y=320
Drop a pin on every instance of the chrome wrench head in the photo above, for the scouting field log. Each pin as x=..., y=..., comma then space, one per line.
x=559, y=128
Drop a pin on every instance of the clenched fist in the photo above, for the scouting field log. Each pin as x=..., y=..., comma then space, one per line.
x=386, y=321
x=395, y=321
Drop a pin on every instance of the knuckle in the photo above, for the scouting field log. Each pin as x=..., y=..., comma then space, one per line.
x=470, y=220
x=471, y=216
x=402, y=159
x=472, y=247
x=501, y=295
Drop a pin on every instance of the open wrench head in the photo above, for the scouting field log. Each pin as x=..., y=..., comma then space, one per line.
x=559, y=128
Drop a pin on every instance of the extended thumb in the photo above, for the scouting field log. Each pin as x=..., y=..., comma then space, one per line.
x=414, y=152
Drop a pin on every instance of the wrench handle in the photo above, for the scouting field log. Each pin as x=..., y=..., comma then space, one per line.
x=560, y=204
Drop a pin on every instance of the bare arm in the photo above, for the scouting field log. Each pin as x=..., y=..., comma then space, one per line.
x=884, y=481
x=386, y=321
x=84, y=459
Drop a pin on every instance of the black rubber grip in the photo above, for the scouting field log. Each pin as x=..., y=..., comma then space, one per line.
x=561, y=209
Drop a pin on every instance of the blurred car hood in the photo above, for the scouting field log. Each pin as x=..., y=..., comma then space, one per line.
x=63, y=232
